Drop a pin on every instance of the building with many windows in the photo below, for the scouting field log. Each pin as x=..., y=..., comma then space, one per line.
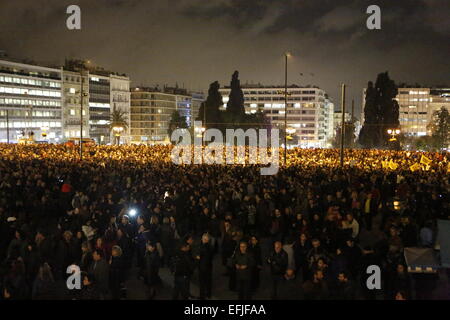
x=103, y=92
x=71, y=111
x=309, y=112
x=152, y=108
x=99, y=108
x=120, y=100
x=30, y=102
x=417, y=106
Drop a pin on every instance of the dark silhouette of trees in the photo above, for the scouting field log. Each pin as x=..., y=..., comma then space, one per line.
x=235, y=107
x=209, y=111
x=440, y=128
x=234, y=116
x=176, y=121
x=381, y=112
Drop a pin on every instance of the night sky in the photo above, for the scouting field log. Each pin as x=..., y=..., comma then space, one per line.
x=194, y=42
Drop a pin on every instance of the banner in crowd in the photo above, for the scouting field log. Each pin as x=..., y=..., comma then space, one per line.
x=424, y=160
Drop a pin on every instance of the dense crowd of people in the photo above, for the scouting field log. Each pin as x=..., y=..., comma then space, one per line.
x=125, y=208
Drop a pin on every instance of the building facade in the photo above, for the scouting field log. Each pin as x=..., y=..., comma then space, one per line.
x=30, y=102
x=308, y=111
x=120, y=100
x=71, y=111
x=151, y=112
x=417, y=106
x=99, y=108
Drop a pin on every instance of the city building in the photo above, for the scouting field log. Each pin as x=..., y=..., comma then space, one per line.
x=417, y=106
x=197, y=99
x=45, y=102
x=120, y=100
x=152, y=108
x=99, y=108
x=309, y=111
x=439, y=98
x=30, y=102
x=105, y=91
x=71, y=110
x=414, y=112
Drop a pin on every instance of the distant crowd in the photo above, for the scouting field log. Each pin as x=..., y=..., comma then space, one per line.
x=128, y=211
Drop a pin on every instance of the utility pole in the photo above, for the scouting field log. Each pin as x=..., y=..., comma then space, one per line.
x=285, y=108
x=7, y=125
x=343, y=123
x=353, y=110
x=81, y=115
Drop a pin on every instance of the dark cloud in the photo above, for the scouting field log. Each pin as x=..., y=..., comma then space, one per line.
x=197, y=41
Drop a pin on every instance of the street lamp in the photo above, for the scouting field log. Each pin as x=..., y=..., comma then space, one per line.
x=393, y=133
x=117, y=129
x=286, y=56
x=290, y=132
x=44, y=131
x=200, y=131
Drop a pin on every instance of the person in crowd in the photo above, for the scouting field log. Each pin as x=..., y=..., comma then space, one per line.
x=100, y=270
x=290, y=288
x=55, y=208
x=255, y=249
x=116, y=272
x=316, y=288
x=183, y=268
x=152, y=266
x=44, y=286
x=343, y=288
x=205, y=267
x=278, y=261
x=89, y=290
x=243, y=262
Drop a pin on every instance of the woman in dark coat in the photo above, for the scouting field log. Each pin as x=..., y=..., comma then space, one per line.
x=44, y=287
x=255, y=249
x=301, y=248
x=152, y=265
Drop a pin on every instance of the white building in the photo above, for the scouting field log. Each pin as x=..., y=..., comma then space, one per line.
x=152, y=108
x=414, y=111
x=30, y=102
x=71, y=112
x=120, y=99
x=308, y=111
x=416, y=108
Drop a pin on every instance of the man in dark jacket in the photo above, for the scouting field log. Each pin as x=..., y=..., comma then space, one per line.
x=278, y=261
x=152, y=264
x=100, y=270
x=205, y=258
x=243, y=262
x=317, y=288
x=344, y=288
x=183, y=268
x=290, y=287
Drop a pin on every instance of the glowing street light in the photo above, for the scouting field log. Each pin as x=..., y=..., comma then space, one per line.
x=200, y=131
x=117, y=130
x=393, y=133
x=290, y=132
